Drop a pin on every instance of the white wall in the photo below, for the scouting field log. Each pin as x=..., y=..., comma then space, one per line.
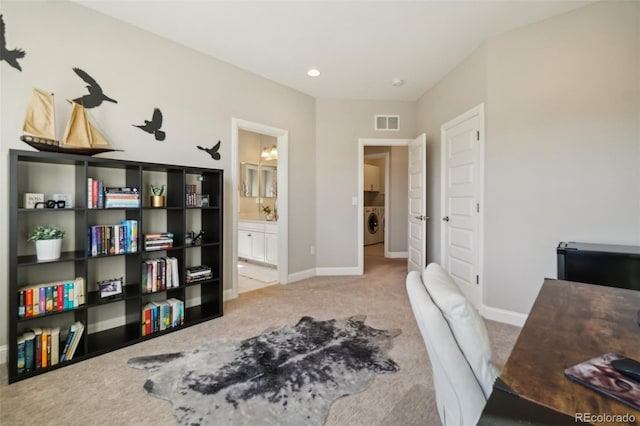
x=339, y=124
x=198, y=96
x=562, y=159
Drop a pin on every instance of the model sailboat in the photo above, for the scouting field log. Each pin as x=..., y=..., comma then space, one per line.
x=80, y=136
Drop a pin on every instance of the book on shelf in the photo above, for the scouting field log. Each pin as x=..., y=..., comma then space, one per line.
x=75, y=334
x=159, y=274
x=41, y=299
x=198, y=273
x=159, y=316
x=191, y=195
x=38, y=348
x=29, y=340
x=105, y=240
x=158, y=241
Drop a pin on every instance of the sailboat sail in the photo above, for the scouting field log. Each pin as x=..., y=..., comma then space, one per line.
x=80, y=136
x=80, y=133
x=39, y=120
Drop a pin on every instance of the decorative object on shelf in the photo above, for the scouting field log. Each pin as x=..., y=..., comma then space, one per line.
x=48, y=241
x=50, y=204
x=80, y=136
x=214, y=383
x=95, y=96
x=68, y=200
x=157, y=199
x=154, y=125
x=11, y=56
x=31, y=199
x=111, y=289
x=267, y=212
x=202, y=200
x=213, y=151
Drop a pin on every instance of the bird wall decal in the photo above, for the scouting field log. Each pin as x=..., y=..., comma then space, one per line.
x=10, y=56
x=213, y=151
x=154, y=125
x=95, y=96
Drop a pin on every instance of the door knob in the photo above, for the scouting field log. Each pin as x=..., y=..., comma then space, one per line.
x=422, y=217
x=446, y=218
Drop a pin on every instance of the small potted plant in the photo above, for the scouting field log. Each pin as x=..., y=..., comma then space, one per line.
x=267, y=211
x=157, y=199
x=48, y=241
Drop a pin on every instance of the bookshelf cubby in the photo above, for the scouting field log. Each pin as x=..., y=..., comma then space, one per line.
x=110, y=323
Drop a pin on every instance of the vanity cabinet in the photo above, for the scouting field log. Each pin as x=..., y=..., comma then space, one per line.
x=258, y=240
x=371, y=178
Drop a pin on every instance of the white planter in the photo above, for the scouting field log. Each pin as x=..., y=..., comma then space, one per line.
x=48, y=249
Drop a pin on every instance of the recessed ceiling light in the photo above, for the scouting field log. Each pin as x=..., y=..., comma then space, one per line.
x=397, y=82
x=313, y=72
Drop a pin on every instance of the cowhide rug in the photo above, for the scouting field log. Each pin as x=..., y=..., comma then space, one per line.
x=286, y=376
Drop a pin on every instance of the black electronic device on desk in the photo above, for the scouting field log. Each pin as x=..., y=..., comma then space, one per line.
x=603, y=264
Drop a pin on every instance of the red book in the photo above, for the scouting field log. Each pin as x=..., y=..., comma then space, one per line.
x=94, y=193
x=28, y=302
x=60, y=297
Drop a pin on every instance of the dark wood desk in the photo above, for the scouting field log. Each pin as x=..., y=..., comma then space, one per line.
x=569, y=323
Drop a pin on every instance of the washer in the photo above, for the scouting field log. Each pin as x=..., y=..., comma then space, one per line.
x=372, y=226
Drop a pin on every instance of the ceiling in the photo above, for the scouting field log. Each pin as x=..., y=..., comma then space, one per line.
x=358, y=46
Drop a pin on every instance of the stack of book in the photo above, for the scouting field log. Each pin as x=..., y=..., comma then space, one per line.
x=198, y=273
x=121, y=197
x=95, y=194
x=75, y=334
x=158, y=316
x=159, y=241
x=160, y=274
x=113, y=239
x=38, y=348
x=41, y=299
x=191, y=194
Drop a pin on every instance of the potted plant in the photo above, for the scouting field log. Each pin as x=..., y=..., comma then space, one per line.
x=48, y=241
x=267, y=211
x=157, y=199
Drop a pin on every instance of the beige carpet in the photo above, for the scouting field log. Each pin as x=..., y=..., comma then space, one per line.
x=104, y=391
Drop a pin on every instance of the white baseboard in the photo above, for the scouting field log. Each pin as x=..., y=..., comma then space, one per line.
x=349, y=270
x=3, y=354
x=229, y=294
x=397, y=254
x=302, y=275
x=502, y=315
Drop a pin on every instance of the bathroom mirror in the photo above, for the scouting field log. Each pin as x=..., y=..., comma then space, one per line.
x=268, y=181
x=249, y=182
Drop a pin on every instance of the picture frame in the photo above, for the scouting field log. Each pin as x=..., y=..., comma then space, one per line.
x=111, y=289
x=202, y=200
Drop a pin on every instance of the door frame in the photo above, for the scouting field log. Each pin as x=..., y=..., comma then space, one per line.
x=282, y=137
x=479, y=111
x=362, y=142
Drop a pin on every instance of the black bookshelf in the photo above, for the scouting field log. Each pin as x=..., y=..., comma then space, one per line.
x=110, y=324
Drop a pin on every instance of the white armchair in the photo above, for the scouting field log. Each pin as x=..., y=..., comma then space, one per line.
x=459, y=397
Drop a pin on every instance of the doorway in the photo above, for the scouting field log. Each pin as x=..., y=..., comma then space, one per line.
x=396, y=201
x=260, y=205
x=462, y=168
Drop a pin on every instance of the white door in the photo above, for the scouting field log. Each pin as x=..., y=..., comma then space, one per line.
x=461, y=193
x=417, y=204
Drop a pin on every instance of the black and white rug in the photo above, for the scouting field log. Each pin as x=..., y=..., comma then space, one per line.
x=286, y=376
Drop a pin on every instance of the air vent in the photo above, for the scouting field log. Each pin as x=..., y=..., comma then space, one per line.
x=387, y=122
